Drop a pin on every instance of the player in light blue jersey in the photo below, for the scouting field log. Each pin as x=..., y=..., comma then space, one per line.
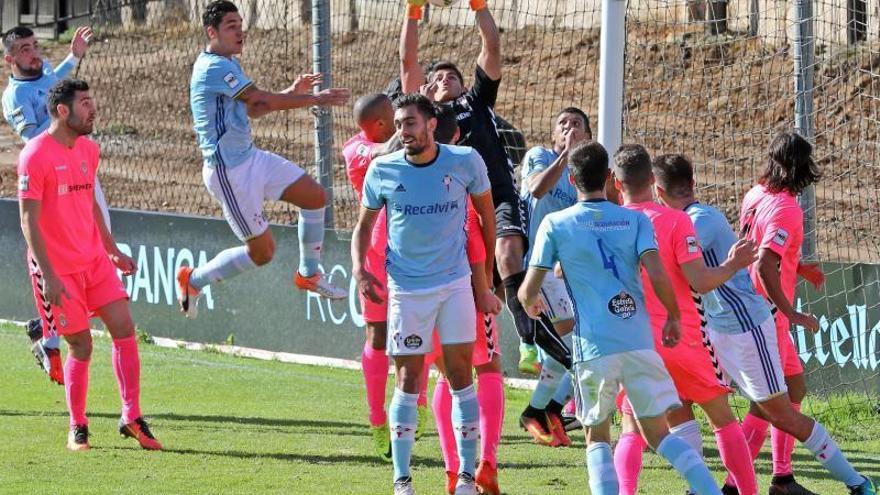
x=601, y=248
x=546, y=188
x=424, y=190
x=25, y=109
x=240, y=176
x=743, y=332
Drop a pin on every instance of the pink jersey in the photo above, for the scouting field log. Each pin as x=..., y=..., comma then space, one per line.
x=677, y=244
x=774, y=221
x=63, y=180
x=357, y=152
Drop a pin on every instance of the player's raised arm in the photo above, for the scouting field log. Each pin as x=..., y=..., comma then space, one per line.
x=704, y=279
x=489, y=58
x=412, y=77
x=260, y=102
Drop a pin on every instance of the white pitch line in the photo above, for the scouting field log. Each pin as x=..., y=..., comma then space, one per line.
x=284, y=357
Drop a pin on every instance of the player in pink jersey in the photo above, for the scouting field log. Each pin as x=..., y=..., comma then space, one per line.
x=772, y=218
x=696, y=376
x=72, y=257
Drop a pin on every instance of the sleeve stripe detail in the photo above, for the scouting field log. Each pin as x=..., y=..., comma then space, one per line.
x=646, y=251
x=240, y=91
x=542, y=268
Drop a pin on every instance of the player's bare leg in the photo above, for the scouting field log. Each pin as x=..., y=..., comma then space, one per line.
x=509, y=252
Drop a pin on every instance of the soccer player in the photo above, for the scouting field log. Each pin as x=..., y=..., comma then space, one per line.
x=476, y=119
x=772, y=218
x=375, y=117
x=600, y=247
x=424, y=190
x=546, y=188
x=73, y=258
x=696, y=380
x=241, y=176
x=743, y=331
x=24, y=107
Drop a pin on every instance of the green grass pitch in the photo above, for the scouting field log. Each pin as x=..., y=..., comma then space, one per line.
x=240, y=426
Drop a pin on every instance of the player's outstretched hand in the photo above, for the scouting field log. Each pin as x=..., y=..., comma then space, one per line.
x=743, y=254
x=54, y=290
x=304, y=83
x=369, y=286
x=488, y=302
x=332, y=97
x=124, y=263
x=812, y=273
x=807, y=321
x=79, y=45
x=671, y=333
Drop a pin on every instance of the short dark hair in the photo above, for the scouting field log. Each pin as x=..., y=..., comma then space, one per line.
x=632, y=165
x=447, y=124
x=13, y=35
x=63, y=93
x=579, y=112
x=790, y=166
x=214, y=12
x=675, y=174
x=588, y=165
x=422, y=104
x=445, y=65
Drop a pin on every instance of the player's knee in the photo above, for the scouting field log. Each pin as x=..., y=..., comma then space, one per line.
x=376, y=335
x=262, y=254
x=80, y=349
x=508, y=257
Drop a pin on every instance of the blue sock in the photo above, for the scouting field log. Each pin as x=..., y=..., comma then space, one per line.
x=600, y=470
x=552, y=374
x=310, y=231
x=227, y=264
x=829, y=455
x=689, y=464
x=466, y=422
x=402, y=419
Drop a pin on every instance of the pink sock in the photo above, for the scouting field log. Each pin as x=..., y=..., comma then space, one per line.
x=736, y=457
x=628, y=461
x=127, y=368
x=570, y=408
x=490, y=395
x=442, y=406
x=783, y=446
x=755, y=431
x=374, y=364
x=76, y=389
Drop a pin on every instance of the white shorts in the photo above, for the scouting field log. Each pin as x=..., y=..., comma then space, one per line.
x=413, y=316
x=751, y=360
x=242, y=190
x=556, y=298
x=642, y=375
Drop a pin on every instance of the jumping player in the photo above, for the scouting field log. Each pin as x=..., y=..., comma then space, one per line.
x=424, y=189
x=24, y=107
x=772, y=218
x=241, y=176
x=690, y=363
x=601, y=247
x=546, y=188
x=743, y=331
x=476, y=120
x=73, y=258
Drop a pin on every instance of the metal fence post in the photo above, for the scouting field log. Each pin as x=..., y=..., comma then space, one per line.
x=321, y=62
x=804, y=51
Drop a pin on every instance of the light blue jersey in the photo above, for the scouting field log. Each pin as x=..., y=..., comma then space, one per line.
x=426, y=207
x=220, y=120
x=24, y=100
x=734, y=307
x=599, y=246
x=560, y=196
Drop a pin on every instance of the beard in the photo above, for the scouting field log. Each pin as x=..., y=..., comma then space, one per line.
x=29, y=71
x=82, y=127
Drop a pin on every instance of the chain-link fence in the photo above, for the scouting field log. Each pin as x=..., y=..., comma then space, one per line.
x=713, y=79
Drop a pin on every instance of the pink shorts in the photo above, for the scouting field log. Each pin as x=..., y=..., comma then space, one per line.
x=486, y=346
x=791, y=362
x=376, y=312
x=690, y=367
x=89, y=290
